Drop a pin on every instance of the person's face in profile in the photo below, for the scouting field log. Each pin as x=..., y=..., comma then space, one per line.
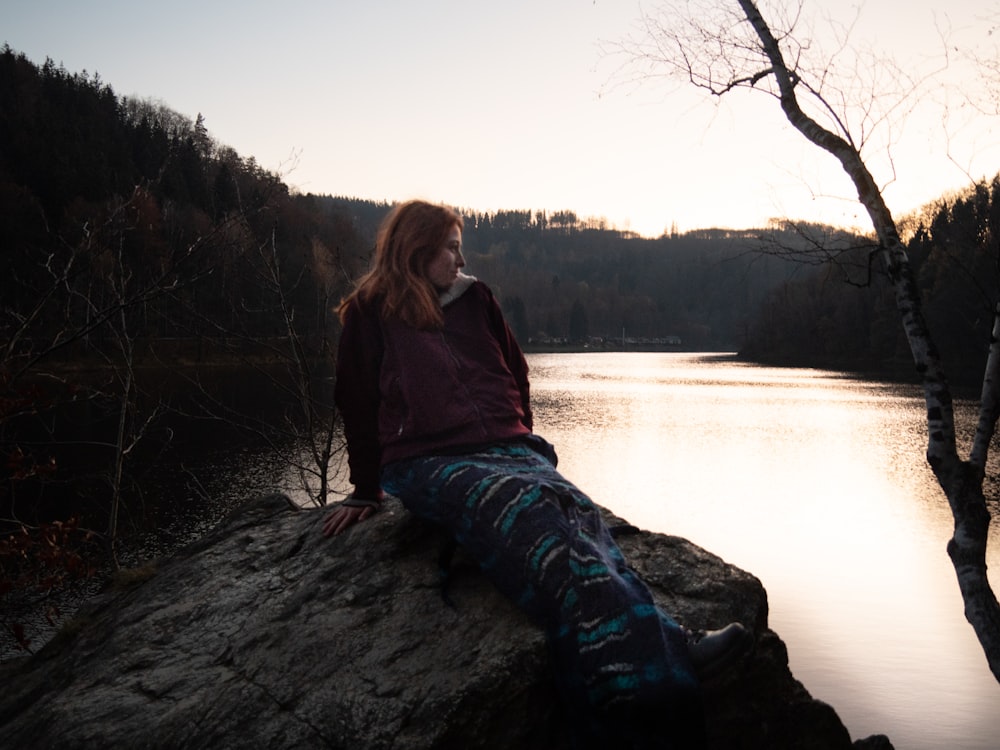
x=444, y=267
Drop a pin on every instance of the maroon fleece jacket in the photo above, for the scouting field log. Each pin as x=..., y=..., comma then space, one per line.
x=404, y=392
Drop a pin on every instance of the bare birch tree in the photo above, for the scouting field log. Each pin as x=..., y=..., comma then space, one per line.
x=722, y=48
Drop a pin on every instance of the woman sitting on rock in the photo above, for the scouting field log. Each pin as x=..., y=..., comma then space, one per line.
x=434, y=394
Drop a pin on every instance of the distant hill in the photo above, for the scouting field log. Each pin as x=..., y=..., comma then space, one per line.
x=75, y=158
x=843, y=314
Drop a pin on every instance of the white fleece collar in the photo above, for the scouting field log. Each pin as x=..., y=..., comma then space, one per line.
x=456, y=290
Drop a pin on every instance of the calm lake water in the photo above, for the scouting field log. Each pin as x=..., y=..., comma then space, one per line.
x=817, y=484
x=812, y=481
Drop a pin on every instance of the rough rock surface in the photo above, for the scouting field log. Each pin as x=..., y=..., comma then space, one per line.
x=264, y=634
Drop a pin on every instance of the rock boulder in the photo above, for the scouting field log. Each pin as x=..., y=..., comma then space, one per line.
x=263, y=634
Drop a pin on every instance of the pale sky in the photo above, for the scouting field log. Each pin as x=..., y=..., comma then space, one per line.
x=502, y=105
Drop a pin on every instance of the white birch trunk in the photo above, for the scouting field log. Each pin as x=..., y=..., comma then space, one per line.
x=962, y=481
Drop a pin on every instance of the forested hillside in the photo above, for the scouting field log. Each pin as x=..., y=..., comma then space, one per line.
x=564, y=279
x=79, y=165
x=139, y=255
x=843, y=315
x=115, y=205
x=130, y=234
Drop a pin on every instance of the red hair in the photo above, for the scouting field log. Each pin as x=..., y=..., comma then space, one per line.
x=408, y=239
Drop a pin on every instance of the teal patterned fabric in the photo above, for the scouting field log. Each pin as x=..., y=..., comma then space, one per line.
x=622, y=664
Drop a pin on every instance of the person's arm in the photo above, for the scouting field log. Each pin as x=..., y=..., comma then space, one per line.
x=356, y=393
x=513, y=356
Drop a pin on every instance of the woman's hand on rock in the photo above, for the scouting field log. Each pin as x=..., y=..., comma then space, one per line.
x=344, y=516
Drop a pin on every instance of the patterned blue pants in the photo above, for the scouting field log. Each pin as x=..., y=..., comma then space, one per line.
x=622, y=664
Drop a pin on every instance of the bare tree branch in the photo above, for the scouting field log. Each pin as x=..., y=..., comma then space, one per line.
x=720, y=50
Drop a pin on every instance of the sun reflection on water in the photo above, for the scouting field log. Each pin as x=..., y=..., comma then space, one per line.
x=817, y=484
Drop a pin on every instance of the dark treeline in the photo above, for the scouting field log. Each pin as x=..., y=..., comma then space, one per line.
x=141, y=258
x=114, y=205
x=137, y=253
x=565, y=279
x=843, y=314
x=93, y=179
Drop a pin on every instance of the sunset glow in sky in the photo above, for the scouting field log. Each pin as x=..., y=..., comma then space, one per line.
x=488, y=105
